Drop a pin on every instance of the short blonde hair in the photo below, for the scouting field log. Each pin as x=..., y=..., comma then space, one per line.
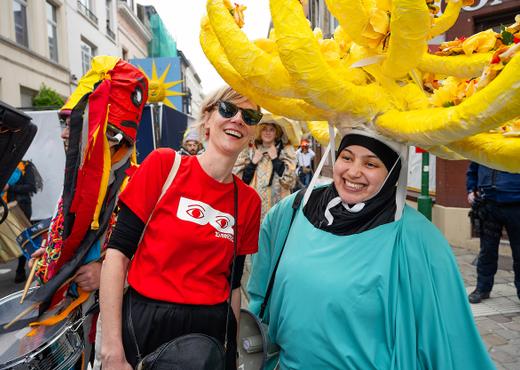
x=225, y=93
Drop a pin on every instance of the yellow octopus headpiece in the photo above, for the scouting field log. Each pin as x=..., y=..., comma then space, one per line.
x=376, y=71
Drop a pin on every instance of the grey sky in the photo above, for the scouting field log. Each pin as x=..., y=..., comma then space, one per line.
x=182, y=18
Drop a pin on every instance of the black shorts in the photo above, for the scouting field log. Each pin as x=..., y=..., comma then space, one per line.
x=158, y=322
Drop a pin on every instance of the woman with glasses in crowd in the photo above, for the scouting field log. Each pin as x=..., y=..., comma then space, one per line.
x=179, y=267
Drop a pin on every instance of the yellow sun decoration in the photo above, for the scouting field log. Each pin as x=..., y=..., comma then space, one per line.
x=158, y=88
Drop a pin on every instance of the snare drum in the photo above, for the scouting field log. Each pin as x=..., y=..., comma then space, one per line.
x=56, y=347
x=14, y=224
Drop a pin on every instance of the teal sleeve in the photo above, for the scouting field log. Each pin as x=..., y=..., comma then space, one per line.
x=261, y=266
x=447, y=337
x=273, y=230
x=272, y=235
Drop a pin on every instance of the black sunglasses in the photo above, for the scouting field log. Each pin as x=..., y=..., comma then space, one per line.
x=250, y=117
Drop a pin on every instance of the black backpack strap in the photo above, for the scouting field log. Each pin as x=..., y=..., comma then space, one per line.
x=296, y=204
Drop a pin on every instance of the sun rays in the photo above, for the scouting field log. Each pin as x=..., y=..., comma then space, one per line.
x=159, y=89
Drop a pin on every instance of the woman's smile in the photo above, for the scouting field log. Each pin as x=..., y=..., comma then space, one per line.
x=358, y=174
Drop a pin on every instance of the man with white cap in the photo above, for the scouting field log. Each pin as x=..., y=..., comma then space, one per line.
x=191, y=144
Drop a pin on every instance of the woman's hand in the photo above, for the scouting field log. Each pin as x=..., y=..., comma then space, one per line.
x=114, y=360
x=257, y=156
x=273, y=153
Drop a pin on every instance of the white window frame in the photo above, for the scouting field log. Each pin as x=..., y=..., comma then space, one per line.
x=110, y=19
x=25, y=40
x=52, y=24
x=87, y=53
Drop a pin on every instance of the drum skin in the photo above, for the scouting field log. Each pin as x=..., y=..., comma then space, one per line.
x=56, y=347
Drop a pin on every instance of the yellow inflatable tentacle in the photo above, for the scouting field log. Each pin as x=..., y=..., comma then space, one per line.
x=462, y=66
x=353, y=18
x=447, y=19
x=261, y=69
x=320, y=131
x=443, y=152
x=388, y=84
x=321, y=85
x=485, y=110
x=292, y=108
x=409, y=26
x=331, y=51
x=491, y=149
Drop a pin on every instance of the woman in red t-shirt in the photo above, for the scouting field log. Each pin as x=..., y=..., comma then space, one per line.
x=179, y=264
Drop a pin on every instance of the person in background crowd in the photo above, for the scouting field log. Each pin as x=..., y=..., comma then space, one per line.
x=191, y=143
x=269, y=166
x=23, y=184
x=495, y=198
x=364, y=281
x=179, y=266
x=304, y=157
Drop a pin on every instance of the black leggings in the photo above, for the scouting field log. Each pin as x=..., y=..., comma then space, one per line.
x=158, y=322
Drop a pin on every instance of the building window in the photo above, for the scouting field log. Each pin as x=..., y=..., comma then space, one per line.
x=52, y=34
x=85, y=8
x=110, y=22
x=20, y=22
x=26, y=97
x=495, y=21
x=87, y=52
x=125, y=54
x=186, y=100
x=314, y=13
x=130, y=3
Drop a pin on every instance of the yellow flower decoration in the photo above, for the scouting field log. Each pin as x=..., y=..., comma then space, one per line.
x=343, y=39
x=453, y=47
x=480, y=43
x=237, y=11
x=377, y=28
x=452, y=92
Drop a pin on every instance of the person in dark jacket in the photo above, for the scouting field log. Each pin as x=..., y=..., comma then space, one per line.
x=28, y=183
x=495, y=197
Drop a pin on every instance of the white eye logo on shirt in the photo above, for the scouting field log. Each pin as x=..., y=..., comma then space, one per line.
x=201, y=213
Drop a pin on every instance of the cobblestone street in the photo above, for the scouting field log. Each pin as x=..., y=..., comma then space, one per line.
x=498, y=318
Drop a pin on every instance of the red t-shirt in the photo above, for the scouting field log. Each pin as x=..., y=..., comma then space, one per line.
x=186, y=252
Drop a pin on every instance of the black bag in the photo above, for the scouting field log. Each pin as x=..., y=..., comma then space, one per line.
x=187, y=352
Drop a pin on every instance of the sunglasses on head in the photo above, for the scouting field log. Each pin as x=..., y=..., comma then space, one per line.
x=250, y=117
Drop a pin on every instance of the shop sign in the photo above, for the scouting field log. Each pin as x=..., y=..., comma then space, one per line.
x=482, y=3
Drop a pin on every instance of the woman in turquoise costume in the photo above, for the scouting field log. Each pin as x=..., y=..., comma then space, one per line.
x=364, y=281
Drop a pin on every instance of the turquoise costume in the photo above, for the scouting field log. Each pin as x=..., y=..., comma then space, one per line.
x=387, y=298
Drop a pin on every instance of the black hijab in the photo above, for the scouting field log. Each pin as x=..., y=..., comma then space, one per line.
x=377, y=211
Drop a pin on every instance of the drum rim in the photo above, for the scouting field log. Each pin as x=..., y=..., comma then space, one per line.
x=67, y=326
x=59, y=334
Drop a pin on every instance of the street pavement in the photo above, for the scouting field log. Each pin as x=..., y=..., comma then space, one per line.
x=498, y=318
